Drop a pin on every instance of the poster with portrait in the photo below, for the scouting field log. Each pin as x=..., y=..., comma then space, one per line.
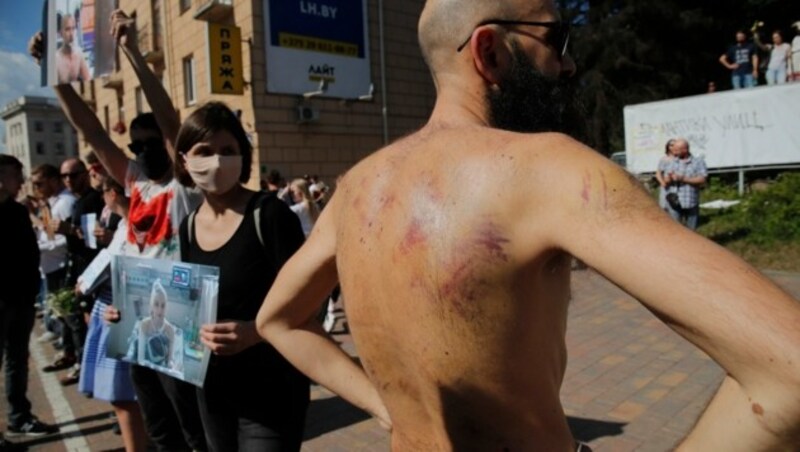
x=162, y=305
x=78, y=41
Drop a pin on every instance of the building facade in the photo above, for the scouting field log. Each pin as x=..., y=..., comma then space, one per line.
x=38, y=132
x=296, y=133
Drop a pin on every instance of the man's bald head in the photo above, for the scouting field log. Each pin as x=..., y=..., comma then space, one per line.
x=445, y=24
x=72, y=165
x=75, y=177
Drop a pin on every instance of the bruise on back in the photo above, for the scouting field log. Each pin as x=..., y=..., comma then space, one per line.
x=467, y=271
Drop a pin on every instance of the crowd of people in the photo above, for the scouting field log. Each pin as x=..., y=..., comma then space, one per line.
x=457, y=294
x=745, y=59
x=181, y=198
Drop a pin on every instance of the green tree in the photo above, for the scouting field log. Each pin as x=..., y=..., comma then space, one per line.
x=629, y=52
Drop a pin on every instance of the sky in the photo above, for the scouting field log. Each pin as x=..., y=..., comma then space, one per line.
x=19, y=74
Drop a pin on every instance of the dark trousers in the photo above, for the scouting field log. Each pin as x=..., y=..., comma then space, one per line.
x=16, y=323
x=170, y=411
x=246, y=408
x=56, y=279
x=73, y=334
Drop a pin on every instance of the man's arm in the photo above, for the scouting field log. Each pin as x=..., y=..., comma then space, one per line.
x=85, y=76
x=697, y=181
x=759, y=44
x=124, y=30
x=724, y=61
x=287, y=320
x=754, y=60
x=706, y=294
x=85, y=121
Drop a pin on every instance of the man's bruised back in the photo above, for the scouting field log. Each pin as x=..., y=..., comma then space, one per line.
x=457, y=312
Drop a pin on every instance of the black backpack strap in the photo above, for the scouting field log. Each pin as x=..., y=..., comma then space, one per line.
x=190, y=226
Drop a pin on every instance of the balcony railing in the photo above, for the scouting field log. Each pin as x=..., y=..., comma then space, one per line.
x=214, y=10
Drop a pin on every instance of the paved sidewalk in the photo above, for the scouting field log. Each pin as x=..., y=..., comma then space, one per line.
x=631, y=384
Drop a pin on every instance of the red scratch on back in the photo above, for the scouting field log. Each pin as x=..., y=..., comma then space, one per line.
x=387, y=201
x=489, y=238
x=605, y=191
x=414, y=236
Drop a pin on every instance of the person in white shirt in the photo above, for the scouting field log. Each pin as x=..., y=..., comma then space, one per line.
x=304, y=205
x=779, y=54
x=795, y=59
x=57, y=204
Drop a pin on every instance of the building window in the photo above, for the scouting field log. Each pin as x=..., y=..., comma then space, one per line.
x=156, y=15
x=139, y=95
x=59, y=148
x=120, y=109
x=188, y=81
x=58, y=127
x=185, y=5
x=38, y=126
x=40, y=148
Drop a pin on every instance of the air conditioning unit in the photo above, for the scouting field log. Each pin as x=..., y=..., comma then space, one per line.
x=307, y=114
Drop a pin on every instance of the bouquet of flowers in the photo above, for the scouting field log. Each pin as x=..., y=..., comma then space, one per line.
x=62, y=302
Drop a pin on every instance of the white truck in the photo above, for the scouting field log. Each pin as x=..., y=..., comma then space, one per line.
x=735, y=131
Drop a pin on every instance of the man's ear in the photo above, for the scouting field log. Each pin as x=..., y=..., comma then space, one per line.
x=490, y=54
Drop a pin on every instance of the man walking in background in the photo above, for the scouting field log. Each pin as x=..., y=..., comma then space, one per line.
x=688, y=176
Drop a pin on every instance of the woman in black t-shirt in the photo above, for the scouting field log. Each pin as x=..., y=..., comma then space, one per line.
x=253, y=399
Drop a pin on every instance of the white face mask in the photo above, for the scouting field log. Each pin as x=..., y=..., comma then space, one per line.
x=216, y=174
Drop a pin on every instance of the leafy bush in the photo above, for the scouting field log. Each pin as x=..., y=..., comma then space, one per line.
x=774, y=215
x=717, y=188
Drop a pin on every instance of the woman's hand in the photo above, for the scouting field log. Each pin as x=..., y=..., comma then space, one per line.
x=36, y=46
x=123, y=28
x=103, y=235
x=111, y=315
x=229, y=337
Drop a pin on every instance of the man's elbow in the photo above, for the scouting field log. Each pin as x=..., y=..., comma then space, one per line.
x=266, y=325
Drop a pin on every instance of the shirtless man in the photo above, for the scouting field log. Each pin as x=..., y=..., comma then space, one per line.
x=70, y=64
x=457, y=294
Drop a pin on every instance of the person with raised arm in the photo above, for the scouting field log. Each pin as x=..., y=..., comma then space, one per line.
x=158, y=204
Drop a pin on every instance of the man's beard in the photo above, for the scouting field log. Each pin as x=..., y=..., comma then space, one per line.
x=527, y=101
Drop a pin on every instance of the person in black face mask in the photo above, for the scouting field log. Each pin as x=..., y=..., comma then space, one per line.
x=158, y=204
x=152, y=156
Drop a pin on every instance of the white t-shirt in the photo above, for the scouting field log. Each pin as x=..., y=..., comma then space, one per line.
x=52, y=253
x=156, y=213
x=61, y=205
x=301, y=209
x=796, y=53
x=777, y=57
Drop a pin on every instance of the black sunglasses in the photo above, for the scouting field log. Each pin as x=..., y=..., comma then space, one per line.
x=137, y=147
x=558, y=38
x=73, y=174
